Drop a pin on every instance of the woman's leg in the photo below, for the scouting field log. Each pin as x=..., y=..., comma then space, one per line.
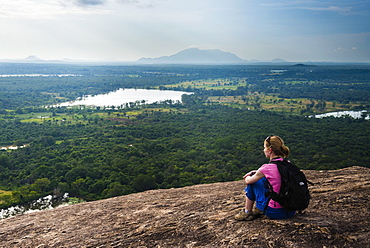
x=254, y=193
x=248, y=204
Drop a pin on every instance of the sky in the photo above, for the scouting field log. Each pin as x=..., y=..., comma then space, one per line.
x=127, y=30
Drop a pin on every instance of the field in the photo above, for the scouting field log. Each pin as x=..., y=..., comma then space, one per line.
x=4, y=194
x=262, y=100
x=208, y=84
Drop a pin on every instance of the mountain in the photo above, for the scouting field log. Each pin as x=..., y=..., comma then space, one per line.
x=196, y=56
x=202, y=216
x=32, y=58
x=277, y=60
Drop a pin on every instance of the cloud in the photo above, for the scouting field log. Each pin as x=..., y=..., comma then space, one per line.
x=313, y=6
x=140, y=3
x=49, y=9
x=329, y=8
x=90, y=2
x=345, y=49
x=137, y=3
x=127, y=1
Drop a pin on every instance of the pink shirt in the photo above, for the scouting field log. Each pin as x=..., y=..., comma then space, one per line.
x=272, y=174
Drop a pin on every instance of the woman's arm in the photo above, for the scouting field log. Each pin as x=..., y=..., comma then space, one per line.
x=248, y=179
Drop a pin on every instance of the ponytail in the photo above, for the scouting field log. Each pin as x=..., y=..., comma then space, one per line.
x=277, y=145
x=285, y=151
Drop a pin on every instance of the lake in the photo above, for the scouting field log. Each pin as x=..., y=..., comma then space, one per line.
x=43, y=203
x=40, y=75
x=123, y=96
x=353, y=114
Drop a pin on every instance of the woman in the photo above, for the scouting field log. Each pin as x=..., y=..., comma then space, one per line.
x=256, y=181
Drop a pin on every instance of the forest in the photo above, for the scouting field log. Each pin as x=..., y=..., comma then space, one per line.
x=214, y=135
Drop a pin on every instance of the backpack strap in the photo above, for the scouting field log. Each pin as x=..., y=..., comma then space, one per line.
x=268, y=194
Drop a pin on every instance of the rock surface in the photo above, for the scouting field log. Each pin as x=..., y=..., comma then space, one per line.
x=202, y=216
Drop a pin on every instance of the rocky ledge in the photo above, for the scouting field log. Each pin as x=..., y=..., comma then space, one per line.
x=202, y=216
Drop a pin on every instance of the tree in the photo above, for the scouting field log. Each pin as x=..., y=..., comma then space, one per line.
x=40, y=185
x=4, y=160
x=143, y=182
x=115, y=189
x=47, y=140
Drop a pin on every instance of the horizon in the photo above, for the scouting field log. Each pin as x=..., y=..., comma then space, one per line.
x=128, y=30
x=33, y=59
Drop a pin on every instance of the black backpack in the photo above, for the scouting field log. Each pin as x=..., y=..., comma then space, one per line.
x=294, y=193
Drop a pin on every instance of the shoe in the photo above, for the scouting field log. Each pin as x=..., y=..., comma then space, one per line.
x=245, y=216
x=258, y=213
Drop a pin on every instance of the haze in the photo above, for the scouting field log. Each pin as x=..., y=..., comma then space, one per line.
x=127, y=30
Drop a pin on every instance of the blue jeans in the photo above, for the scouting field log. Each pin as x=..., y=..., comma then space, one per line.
x=256, y=192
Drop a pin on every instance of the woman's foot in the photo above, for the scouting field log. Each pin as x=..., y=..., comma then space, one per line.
x=245, y=216
x=258, y=213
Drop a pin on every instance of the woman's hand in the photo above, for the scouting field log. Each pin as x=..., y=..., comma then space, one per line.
x=249, y=174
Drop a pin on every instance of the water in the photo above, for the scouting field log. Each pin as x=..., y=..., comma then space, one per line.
x=47, y=202
x=39, y=75
x=353, y=114
x=123, y=96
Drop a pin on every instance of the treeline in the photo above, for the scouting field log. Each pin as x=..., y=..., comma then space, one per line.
x=342, y=84
x=20, y=88
x=110, y=157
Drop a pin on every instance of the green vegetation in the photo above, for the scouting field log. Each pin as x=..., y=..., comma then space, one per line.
x=215, y=136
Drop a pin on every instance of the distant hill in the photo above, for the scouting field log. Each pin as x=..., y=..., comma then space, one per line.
x=277, y=60
x=32, y=58
x=196, y=56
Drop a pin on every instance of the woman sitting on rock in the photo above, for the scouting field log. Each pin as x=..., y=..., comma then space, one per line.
x=256, y=181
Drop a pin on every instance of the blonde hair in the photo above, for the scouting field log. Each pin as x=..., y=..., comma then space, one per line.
x=277, y=145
